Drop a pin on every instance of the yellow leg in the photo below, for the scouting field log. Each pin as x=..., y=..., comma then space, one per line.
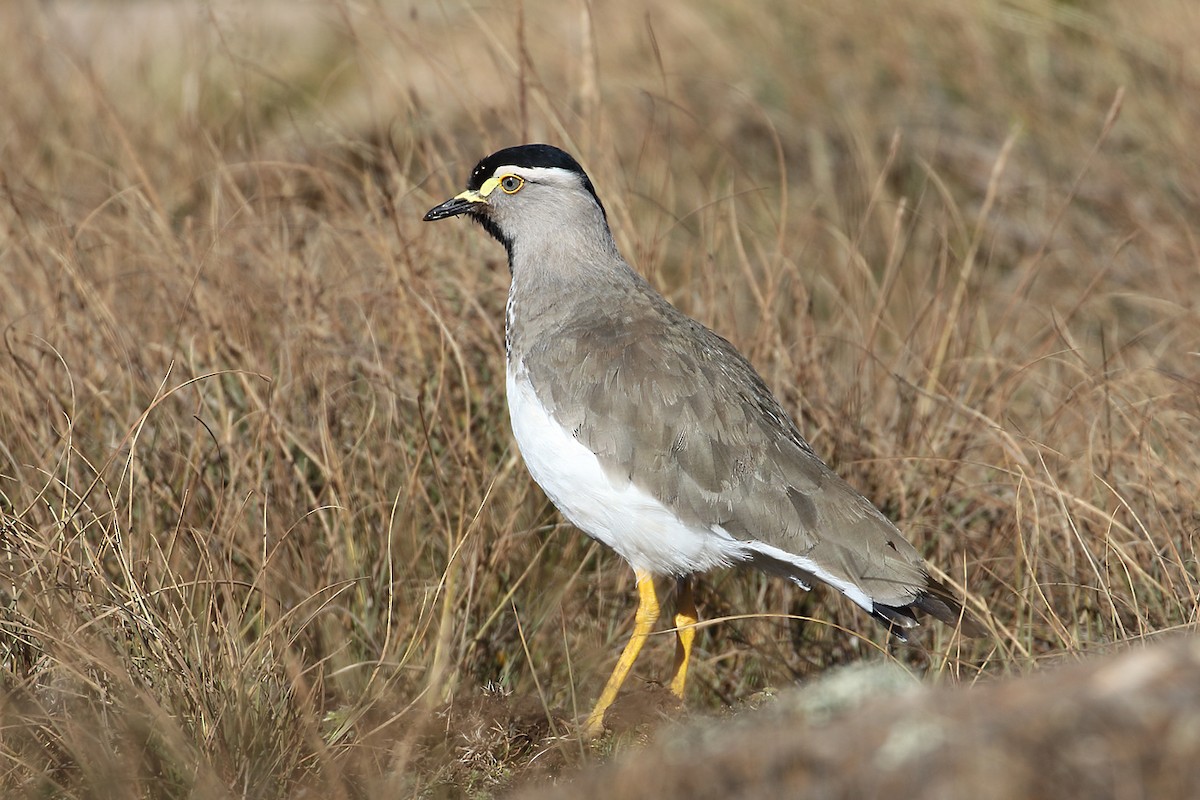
x=643, y=622
x=685, y=634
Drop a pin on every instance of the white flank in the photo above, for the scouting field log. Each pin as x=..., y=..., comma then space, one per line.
x=641, y=529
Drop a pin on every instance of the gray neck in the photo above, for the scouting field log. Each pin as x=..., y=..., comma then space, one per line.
x=558, y=270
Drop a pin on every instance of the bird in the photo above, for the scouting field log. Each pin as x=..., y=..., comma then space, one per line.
x=654, y=435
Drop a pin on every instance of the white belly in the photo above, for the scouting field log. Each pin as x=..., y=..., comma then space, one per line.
x=641, y=529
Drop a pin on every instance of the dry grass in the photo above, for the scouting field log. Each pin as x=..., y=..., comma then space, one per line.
x=263, y=530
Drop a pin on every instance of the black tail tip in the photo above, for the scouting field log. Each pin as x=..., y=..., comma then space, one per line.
x=938, y=602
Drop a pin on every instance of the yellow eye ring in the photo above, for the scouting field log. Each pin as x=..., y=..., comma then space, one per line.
x=511, y=184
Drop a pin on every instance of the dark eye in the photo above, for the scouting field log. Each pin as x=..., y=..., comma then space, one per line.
x=511, y=184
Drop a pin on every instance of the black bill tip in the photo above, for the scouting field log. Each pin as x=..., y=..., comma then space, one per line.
x=451, y=208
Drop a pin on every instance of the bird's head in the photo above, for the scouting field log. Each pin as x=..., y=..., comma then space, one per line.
x=527, y=191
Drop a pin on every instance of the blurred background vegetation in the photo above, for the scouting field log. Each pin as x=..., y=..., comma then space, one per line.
x=263, y=531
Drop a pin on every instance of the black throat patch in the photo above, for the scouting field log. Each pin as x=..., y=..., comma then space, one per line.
x=525, y=155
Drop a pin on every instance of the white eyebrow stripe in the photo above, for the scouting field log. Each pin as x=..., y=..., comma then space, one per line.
x=551, y=175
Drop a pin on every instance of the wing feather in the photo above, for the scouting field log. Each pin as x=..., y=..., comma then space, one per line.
x=671, y=406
